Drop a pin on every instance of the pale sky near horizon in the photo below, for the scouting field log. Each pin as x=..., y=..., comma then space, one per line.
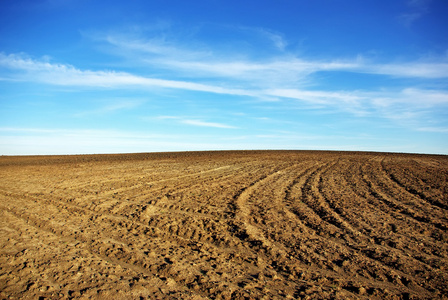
x=80, y=76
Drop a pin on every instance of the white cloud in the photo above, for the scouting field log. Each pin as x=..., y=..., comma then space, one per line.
x=206, y=124
x=283, y=72
x=260, y=80
x=295, y=70
x=26, y=69
x=67, y=75
x=406, y=70
x=164, y=118
x=114, y=106
x=285, y=69
x=434, y=129
x=155, y=46
x=416, y=10
x=316, y=97
x=410, y=98
x=193, y=122
x=273, y=37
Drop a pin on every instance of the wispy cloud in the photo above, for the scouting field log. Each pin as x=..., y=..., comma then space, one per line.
x=275, y=38
x=416, y=10
x=206, y=124
x=316, y=97
x=285, y=68
x=283, y=77
x=157, y=46
x=409, y=70
x=193, y=122
x=20, y=67
x=163, y=118
x=409, y=102
x=434, y=129
x=112, y=107
x=67, y=75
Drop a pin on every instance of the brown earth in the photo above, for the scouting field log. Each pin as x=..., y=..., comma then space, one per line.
x=240, y=225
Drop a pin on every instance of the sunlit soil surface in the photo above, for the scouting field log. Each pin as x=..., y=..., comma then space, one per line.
x=231, y=225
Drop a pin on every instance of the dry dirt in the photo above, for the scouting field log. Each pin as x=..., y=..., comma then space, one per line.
x=232, y=225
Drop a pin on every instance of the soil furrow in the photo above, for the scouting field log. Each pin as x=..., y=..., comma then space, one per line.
x=224, y=225
x=312, y=196
x=125, y=253
x=413, y=193
x=398, y=204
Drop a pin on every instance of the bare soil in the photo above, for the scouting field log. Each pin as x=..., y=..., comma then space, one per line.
x=231, y=225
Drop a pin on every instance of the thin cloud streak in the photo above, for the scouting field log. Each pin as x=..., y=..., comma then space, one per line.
x=316, y=97
x=193, y=122
x=199, y=62
x=417, y=9
x=409, y=70
x=67, y=75
x=59, y=74
x=434, y=129
x=356, y=102
x=207, y=124
x=115, y=106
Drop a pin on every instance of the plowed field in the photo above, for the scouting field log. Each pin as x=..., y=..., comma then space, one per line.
x=232, y=225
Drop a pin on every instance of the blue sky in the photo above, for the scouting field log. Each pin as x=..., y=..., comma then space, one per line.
x=80, y=76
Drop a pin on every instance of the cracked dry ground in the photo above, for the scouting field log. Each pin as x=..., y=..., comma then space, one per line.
x=231, y=225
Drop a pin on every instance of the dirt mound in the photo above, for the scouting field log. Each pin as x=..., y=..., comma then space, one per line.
x=231, y=225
